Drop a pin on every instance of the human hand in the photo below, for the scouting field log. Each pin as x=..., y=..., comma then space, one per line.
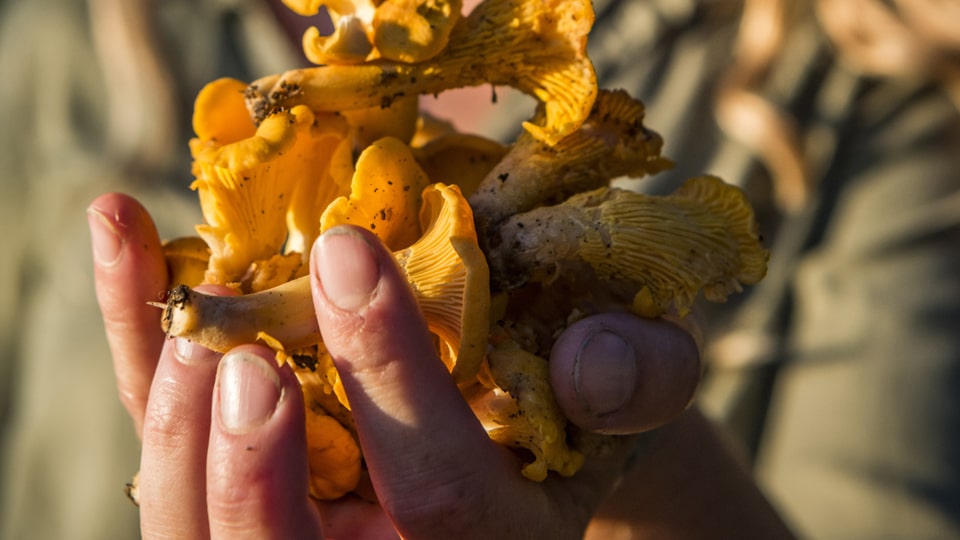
x=215, y=464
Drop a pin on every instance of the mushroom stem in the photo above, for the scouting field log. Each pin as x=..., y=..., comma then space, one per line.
x=220, y=323
x=446, y=270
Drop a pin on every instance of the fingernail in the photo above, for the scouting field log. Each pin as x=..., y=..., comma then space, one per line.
x=348, y=268
x=104, y=236
x=605, y=373
x=191, y=354
x=249, y=391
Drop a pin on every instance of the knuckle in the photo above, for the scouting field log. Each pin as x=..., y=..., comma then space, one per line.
x=169, y=417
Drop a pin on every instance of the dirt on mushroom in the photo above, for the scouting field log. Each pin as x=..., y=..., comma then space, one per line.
x=503, y=245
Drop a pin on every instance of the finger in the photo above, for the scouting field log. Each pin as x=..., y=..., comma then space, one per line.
x=257, y=473
x=176, y=430
x=129, y=271
x=354, y=517
x=616, y=373
x=425, y=449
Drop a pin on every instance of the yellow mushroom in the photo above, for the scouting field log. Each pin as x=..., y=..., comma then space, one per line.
x=284, y=313
x=274, y=166
x=612, y=142
x=399, y=30
x=414, y=30
x=333, y=451
x=349, y=43
x=459, y=158
x=385, y=195
x=430, y=127
x=520, y=411
x=333, y=456
x=237, y=236
x=701, y=236
x=247, y=183
x=448, y=274
x=187, y=259
x=450, y=279
x=399, y=120
x=217, y=116
x=445, y=267
x=326, y=166
x=537, y=47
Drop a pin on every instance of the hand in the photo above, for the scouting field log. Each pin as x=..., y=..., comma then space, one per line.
x=223, y=442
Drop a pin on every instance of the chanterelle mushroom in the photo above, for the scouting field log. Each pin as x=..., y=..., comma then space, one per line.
x=293, y=154
x=401, y=30
x=612, y=142
x=702, y=237
x=247, y=181
x=538, y=47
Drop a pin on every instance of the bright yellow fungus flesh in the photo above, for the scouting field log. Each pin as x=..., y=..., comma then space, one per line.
x=503, y=245
x=538, y=47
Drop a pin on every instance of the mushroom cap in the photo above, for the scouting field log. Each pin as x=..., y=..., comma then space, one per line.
x=612, y=142
x=521, y=411
x=398, y=120
x=187, y=259
x=414, y=30
x=385, y=195
x=349, y=43
x=701, y=237
x=248, y=178
x=217, y=112
x=538, y=47
x=399, y=30
x=460, y=158
x=333, y=456
x=448, y=273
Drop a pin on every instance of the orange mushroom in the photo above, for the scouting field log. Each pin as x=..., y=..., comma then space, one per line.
x=445, y=267
x=399, y=30
x=612, y=142
x=274, y=166
x=519, y=410
x=187, y=260
x=536, y=47
x=459, y=158
x=384, y=195
x=703, y=236
x=414, y=30
x=450, y=279
x=349, y=43
x=248, y=182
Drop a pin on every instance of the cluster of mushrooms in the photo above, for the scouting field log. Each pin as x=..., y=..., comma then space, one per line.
x=503, y=245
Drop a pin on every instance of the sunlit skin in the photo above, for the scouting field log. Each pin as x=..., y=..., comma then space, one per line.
x=394, y=381
x=224, y=449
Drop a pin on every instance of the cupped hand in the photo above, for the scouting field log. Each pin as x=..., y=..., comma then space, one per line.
x=223, y=441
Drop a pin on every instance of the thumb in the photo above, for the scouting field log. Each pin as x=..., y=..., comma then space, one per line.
x=620, y=374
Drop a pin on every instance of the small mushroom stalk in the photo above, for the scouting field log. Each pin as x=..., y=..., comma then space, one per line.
x=220, y=323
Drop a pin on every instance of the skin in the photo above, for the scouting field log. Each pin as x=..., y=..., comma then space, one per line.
x=217, y=467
